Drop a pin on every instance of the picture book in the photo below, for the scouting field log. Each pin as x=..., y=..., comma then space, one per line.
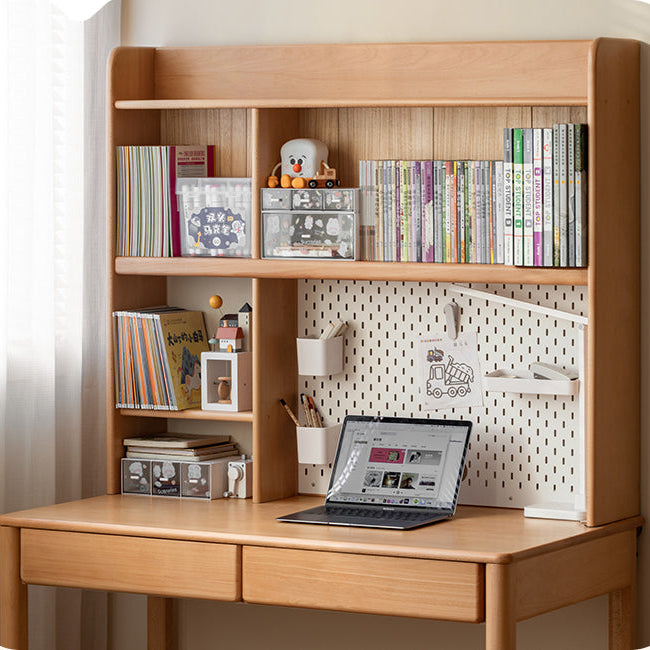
x=158, y=358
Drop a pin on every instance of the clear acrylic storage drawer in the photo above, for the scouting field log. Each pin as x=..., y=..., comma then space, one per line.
x=323, y=235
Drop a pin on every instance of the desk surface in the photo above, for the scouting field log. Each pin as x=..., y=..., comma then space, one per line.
x=476, y=534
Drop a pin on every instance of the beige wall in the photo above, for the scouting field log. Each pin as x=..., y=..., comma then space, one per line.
x=205, y=625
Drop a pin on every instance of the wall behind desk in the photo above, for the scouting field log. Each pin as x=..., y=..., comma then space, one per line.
x=216, y=22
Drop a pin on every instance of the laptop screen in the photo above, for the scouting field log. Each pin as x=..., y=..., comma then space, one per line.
x=399, y=461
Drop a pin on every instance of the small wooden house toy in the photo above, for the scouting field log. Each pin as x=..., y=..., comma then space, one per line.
x=229, y=320
x=231, y=339
x=244, y=315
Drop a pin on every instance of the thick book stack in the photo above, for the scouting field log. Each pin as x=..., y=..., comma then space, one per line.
x=158, y=358
x=180, y=447
x=545, y=171
x=147, y=215
x=432, y=210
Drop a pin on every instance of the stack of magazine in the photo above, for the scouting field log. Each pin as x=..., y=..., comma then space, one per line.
x=529, y=209
x=158, y=358
x=147, y=213
x=180, y=447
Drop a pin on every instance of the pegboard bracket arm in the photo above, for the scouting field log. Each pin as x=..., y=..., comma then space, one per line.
x=518, y=304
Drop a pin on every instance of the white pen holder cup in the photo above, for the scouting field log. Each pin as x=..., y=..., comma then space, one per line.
x=319, y=357
x=317, y=445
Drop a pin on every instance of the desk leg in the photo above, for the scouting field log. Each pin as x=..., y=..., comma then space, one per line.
x=500, y=621
x=13, y=592
x=160, y=624
x=622, y=619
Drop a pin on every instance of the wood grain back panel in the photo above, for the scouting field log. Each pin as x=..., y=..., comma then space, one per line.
x=411, y=72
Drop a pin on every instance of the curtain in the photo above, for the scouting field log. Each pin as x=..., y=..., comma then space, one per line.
x=52, y=280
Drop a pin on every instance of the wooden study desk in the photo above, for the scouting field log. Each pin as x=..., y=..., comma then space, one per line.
x=487, y=564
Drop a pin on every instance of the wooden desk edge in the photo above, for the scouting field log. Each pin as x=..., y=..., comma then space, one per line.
x=25, y=519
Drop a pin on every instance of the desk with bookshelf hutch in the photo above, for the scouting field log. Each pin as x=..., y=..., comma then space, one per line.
x=423, y=100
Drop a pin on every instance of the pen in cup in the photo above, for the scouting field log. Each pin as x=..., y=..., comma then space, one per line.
x=290, y=412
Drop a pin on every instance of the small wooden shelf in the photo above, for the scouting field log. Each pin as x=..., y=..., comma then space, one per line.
x=402, y=271
x=192, y=414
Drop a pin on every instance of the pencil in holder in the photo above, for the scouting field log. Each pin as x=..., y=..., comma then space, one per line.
x=320, y=357
x=317, y=445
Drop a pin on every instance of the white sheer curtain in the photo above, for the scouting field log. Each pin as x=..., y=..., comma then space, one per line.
x=52, y=279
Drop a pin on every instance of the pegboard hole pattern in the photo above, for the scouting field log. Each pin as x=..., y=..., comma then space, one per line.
x=523, y=447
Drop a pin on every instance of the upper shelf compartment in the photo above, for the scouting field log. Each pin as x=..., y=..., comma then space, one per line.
x=402, y=74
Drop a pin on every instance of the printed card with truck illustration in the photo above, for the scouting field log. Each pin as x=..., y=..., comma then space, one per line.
x=450, y=373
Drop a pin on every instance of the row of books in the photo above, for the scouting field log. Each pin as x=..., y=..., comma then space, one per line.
x=157, y=355
x=530, y=209
x=148, y=222
x=545, y=176
x=445, y=211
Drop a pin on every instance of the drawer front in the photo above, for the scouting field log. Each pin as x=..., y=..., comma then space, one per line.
x=364, y=583
x=162, y=567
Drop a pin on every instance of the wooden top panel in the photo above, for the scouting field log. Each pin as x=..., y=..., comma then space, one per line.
x=427, y=73
x=492, y=535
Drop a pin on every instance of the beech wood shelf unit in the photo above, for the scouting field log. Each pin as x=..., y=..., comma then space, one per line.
x=423, y=100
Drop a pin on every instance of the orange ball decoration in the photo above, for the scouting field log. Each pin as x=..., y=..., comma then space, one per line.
x=215, y=301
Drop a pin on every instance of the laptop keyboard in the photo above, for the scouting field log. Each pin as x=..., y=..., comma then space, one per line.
x=389, y=515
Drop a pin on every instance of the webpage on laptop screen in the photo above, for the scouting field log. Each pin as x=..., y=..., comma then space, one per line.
x=399, y=464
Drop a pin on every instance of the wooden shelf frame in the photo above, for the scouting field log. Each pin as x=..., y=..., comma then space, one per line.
x=192, y=414
x=422, y=100
x=307, y=269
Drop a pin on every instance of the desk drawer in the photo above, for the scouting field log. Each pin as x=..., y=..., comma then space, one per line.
x=364, y=583
x=161, y=567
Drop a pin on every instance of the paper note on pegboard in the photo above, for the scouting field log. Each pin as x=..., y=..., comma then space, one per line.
x=450, y=374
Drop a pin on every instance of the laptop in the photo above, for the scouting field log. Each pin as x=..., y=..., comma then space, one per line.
x=392, y=472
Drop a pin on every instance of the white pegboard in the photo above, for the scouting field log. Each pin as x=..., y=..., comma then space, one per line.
x=524, y=447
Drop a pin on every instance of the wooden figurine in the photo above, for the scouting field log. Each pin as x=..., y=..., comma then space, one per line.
x=223, y=390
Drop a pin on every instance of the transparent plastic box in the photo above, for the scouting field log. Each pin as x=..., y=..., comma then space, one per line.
x=307, y=200
x=322, y=235
x=136, y=476
x=215, y=216
x=341, y=200
x=276, y=199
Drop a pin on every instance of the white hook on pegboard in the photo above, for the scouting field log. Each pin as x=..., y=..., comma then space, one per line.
x=452, y=316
